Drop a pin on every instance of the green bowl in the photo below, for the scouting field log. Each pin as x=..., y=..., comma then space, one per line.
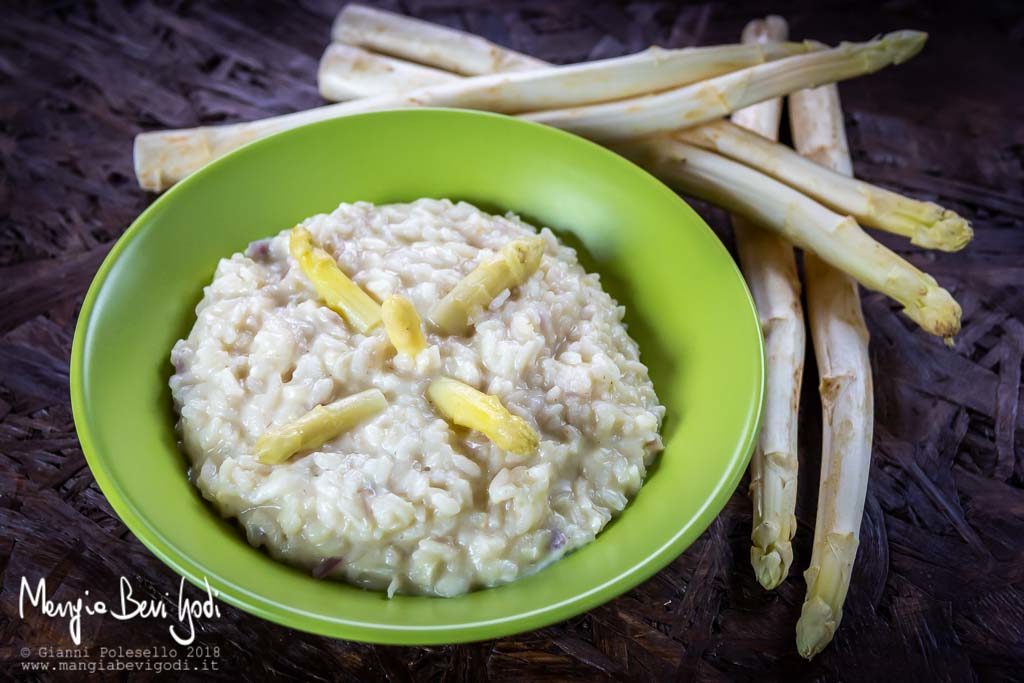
x=686, y=305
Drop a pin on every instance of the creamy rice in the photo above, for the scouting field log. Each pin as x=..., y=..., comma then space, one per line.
x=405, y=502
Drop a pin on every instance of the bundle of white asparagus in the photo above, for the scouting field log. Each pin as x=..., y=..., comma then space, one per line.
x=664, y=109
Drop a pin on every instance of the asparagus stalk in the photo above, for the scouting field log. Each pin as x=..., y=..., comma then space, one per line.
x=841, y=346
x=403, y=326
x=467, y=407
x=716, y=97
x=318, y=426
x=836, y=239
x=510, y=267
x=347, y=70
x=424, y=42
x=347, y=73
x=769, y=266
x=341, y=295
x=926, y=224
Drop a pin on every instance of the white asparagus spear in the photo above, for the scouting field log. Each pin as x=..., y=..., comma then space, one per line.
x=347, y=72
x=424, y=42
x=769, y=266
x=345, y=69
x=804, y=222
x=841, y=346
x=164, y=157
x=926, y=224
x=702, y=102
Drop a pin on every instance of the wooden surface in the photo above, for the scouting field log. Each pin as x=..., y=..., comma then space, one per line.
x=938, y=590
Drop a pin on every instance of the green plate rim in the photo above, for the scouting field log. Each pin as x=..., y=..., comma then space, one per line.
x=389, y=634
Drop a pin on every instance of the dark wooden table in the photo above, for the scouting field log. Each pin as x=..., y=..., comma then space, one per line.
x=938, y=589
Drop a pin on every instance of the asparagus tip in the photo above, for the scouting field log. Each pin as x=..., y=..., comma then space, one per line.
x=815, y=628
x=403, y=325
x=905, y=44
x=771, y=552
x=334, y=288
x=892, y=48
x=517, y=436
x=771, y=564
x=513, y=265
x=828, y=579
x=949, y=233
x=469, y=407
x=936, y=312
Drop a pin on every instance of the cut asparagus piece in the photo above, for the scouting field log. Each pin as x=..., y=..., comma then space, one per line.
x=769, y=266
x=403, y=325
x=702, y=102
x=841, y=346
x=926, y=224
x=510, y=267
x=341, y=295
x=467, y=407
x=424, y=42
x=318, y=426
x=162, y=158
x=348, y=73
x=346, y=70
x=836, y=239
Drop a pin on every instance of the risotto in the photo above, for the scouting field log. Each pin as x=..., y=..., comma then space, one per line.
x=406, y=500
